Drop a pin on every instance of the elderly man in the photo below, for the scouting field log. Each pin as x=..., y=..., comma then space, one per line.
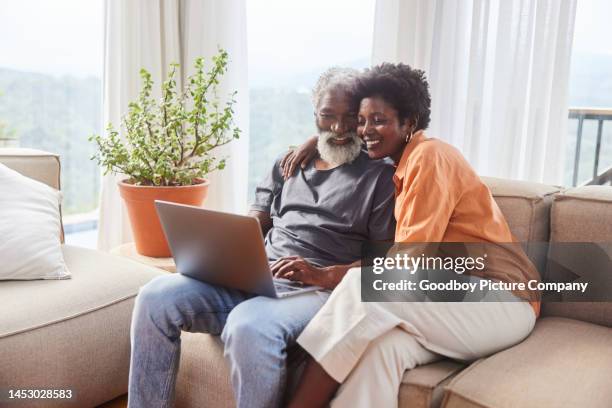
x=314, y=226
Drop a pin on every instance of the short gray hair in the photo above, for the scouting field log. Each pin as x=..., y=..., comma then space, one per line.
x=333, y=78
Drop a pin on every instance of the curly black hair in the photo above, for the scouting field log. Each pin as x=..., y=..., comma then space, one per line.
x=405, y=88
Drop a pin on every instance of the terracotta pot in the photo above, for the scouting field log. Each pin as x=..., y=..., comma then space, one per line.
x=148, y=234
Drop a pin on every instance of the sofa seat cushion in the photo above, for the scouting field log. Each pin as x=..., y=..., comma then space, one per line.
x=423, y=387
x=563, y=363
x=72, y=334
x=99, y=280
x=204, y=376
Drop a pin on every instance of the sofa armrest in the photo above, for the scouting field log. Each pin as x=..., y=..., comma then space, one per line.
x=36, y=164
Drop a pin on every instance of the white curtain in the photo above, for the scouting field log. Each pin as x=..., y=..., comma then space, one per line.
x=151, y=34
x=498, y=72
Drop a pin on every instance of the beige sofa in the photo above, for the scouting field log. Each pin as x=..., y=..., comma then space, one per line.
x=566, y=362
x=68, y=334
x=75, y=334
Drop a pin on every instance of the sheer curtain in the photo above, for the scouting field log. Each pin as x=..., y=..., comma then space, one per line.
x=151, y=34
x=498, y=72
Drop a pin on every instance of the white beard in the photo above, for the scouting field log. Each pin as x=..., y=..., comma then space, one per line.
x=337, y=155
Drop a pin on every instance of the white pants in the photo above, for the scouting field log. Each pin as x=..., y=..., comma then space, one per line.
x=368, y=346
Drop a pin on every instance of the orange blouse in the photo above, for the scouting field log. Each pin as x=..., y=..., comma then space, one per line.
x=440, y=198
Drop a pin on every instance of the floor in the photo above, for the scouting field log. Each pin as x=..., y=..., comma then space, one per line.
x=119, y=402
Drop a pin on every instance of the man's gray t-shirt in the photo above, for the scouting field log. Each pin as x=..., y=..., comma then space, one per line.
x=325, y=216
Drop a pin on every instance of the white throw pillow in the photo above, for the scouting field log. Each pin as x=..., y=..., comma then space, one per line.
x=30, y=246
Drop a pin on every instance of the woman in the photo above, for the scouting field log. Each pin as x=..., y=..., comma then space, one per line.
x=365, y=348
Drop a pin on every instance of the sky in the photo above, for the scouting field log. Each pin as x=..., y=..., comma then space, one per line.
x=285, y=37
x=52, y=36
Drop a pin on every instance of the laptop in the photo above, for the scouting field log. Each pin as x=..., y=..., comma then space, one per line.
x=222, y=249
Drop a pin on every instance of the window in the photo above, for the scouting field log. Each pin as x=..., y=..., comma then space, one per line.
x=590, y=93
x=50, y=95
x=290, y=44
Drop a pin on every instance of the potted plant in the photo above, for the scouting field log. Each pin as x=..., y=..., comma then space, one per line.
x=168, y=147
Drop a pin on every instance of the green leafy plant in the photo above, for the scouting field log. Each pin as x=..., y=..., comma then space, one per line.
x=168, y=142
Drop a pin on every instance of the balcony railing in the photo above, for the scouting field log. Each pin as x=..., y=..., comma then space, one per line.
x=600, y=115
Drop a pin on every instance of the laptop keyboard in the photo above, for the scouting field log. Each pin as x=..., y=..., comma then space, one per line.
x=285, y=285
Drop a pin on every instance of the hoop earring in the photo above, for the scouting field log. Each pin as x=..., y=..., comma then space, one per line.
x=409, y=136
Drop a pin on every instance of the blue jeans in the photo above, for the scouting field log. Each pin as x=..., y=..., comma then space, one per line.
x=256, y=332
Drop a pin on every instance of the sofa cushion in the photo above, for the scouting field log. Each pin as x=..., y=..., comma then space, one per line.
x=582, y=214
x=72, y=334
x=35, y=164
x=204, y=378
x=526, y=206
x=103, y=279
x=30, y=227
x=423, y=387
x=563, y=363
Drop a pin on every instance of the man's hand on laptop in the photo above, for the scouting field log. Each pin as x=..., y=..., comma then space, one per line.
x=298, y=269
